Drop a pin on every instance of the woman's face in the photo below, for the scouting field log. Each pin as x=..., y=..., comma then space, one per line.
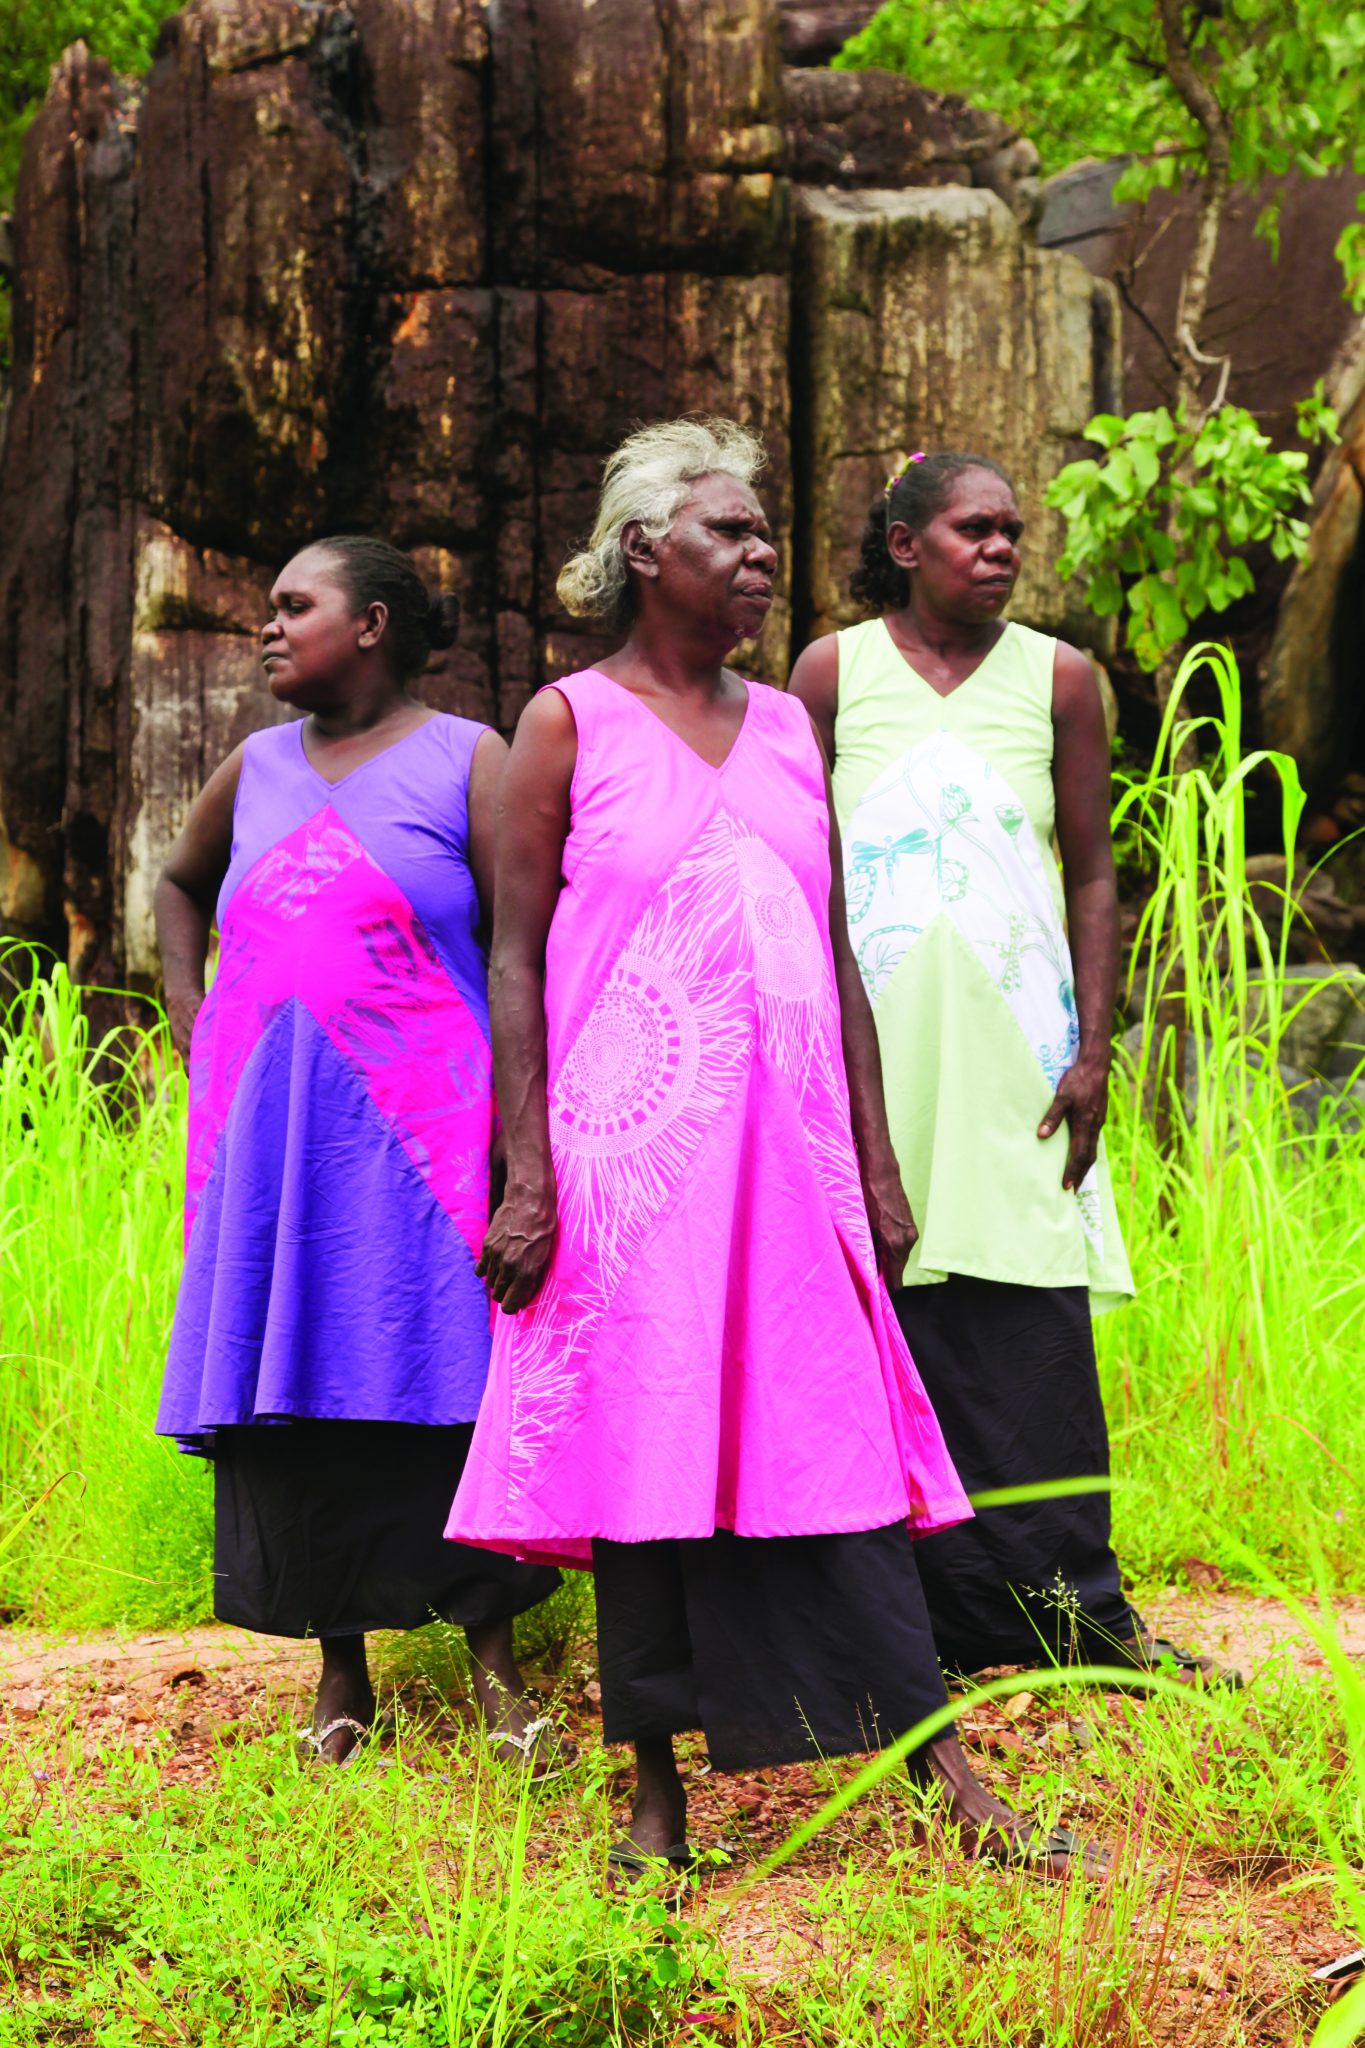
x=965, y=562
x=717, y=560
x=311, y=641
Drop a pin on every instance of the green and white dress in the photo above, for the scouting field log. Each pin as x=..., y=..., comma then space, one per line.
x=955, y=909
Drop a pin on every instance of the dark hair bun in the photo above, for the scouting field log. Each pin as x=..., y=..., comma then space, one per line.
x=443, y=619
x=374, y=571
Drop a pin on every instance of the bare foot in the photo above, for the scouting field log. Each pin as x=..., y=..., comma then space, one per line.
x=658, y=1814
x=993, y=1831
x=517, y=1729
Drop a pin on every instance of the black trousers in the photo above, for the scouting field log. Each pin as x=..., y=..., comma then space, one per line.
x=1011, y=1374
x=334, y=1528
x=777, y=1647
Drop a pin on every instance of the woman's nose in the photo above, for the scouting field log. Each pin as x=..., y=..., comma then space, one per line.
x=763, y=554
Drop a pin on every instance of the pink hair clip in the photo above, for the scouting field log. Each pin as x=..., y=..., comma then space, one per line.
x=897, y=474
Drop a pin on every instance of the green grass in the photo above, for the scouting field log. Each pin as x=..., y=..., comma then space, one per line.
x=432, y=1901
x=1236, y=1381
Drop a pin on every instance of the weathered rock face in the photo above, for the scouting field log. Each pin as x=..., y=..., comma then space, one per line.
x=415, y=266
x=891, y=286
x=854, y=128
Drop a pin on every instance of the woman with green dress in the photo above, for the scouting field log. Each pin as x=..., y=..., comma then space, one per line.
x=960, y=745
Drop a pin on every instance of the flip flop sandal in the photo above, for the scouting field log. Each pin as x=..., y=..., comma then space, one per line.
x=315, y=1738
x=1154, y=1651
x=1026, y=1852
x=525, y=1747
x=633, y=1864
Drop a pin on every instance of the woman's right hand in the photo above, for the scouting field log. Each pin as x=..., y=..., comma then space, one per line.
x=517, y=1248
x=181, y=1012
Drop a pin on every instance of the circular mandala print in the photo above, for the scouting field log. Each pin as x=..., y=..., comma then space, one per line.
x=789, y=960
x=631, y=1068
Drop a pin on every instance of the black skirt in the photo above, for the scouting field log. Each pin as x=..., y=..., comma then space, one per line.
x=777, y=1647
x=334, y=1528
x=1011, y=1374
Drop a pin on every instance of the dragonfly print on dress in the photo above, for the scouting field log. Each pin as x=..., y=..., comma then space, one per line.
x=967, y=860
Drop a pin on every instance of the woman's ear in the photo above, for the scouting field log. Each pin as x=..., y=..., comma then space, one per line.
x=640, y=552
x=902, y=545
x=376, y=618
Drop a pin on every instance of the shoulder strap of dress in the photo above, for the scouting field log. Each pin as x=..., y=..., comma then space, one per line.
x=459, y=736
x=1034, y=654
x=859, y=650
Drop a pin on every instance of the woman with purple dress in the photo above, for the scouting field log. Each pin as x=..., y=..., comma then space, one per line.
x=331, y=1336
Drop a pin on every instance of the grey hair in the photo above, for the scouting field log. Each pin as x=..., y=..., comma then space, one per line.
x=647, y=479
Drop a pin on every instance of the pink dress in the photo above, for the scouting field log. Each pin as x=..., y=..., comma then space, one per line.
x=712, y=1347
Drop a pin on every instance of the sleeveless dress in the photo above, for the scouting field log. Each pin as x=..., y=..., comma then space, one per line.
x=946, y=809
x=330, y=1343
x=712, y=1349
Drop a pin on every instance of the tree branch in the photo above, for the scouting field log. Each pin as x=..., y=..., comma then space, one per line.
x=1198, y=98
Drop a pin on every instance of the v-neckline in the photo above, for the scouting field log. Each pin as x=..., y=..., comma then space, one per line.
x=712, y=767
x=945, y=696
x=369, y=760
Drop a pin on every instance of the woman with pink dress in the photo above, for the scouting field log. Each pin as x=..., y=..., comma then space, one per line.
x=697, y=1385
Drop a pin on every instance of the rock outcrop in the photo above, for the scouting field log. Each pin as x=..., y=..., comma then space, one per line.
x=415, y=266
x=893, y=286
x=1311, y=695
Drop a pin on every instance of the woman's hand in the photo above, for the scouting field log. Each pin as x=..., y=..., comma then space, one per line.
x=1083, y=1099
x=181, y=1011
x=516, y=1251
x=894, y=1232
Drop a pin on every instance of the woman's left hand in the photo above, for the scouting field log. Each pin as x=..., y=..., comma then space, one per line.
x=894, y=1232
x=1082, y=1098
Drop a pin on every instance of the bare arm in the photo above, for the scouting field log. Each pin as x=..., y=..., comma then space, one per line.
x=185, y=895
x=888, y=1210
x=533, y=824
x=1081, y=774
x=815, y=681
x=485, y=780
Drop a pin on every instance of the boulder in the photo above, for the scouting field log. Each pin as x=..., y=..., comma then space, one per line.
x=1310, y=695
x=890, y=287
x=1325, y=1008
x=875, y=128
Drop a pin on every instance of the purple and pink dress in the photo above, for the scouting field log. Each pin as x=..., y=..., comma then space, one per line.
x=331, y=1337
x=709, y=1400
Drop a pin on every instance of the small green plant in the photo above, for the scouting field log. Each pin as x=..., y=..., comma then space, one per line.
x=1152, y=522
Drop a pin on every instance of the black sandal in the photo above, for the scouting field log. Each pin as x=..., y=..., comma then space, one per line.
x=680, y=1858
x=1157, y=1652
x=1025, y=1852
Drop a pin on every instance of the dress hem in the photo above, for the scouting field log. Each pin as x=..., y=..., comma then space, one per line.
x=571, y=1549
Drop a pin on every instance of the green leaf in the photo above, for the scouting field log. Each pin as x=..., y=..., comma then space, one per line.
x=1106, y=428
